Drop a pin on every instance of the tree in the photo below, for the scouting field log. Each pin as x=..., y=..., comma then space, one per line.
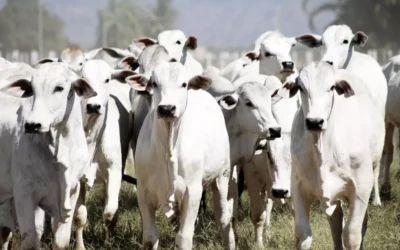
x=122, y=21
x=19, y=28
x=378, y=19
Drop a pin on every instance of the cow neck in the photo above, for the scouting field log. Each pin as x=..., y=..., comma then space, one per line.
x=69, y=132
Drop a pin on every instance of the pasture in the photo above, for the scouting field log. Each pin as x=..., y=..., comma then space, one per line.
x=383, y=226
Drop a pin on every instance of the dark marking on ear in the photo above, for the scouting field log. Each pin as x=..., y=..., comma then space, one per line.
x=191, y=43
x=343, y=87
x=253, y=56
x=229, y=100
x=144, y=42
x=121, y=75
x=112, y=52
x=172, y=60
x=200, y=82
x=82, y=88
x=309, y=41
x=130, y=62
x=47, y=60
x=360, y=38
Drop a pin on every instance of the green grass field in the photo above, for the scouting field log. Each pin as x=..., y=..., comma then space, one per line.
x=383, y=227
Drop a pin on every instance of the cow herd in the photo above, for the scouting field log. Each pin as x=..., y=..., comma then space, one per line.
x=319, y=133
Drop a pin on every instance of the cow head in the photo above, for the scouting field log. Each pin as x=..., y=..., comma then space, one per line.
x=53, y=87
x=99, y=74
x=74, y=57
x=251, y=104
x=177, y=44
x=317, y=83
x=170, y=84
x=338, y=42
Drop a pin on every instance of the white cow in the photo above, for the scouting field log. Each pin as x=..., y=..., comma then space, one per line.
x=74, y=57
x=392, y=67
x=170, y=175
x=338, y=42
x=337, y=141
x=178, y=46
x=108, y=145
x=272, y=58
x=44, y=149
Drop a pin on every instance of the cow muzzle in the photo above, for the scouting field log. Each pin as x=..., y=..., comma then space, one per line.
x=33, y=128
x=166, y=111
x=274, y=133
x=280, y=193
x=314, y=124
x=93, y=108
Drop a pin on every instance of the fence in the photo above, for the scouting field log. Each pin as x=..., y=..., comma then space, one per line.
x=219, y=59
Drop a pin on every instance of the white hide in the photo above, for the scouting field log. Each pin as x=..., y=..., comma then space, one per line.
x=333, y=159
x=170, y=174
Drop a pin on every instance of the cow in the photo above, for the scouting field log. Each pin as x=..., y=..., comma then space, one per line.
x=336, y=145
x=391, y=68
x=338, y=42
x=44, y=149
x=170, y=176
x=178, y=46
x=103, y=123
x=73, y=56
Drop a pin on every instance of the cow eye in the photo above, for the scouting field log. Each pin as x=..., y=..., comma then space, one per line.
x=80, y=64
x=267, y=54
x=345, y=41
x=178, y=42
x=184, y=85
x=249, y=103
x=107, y=80
x=58, y=89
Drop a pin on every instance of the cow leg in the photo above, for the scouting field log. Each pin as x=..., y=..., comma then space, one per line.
x=356, y=226
x=80, y=217
x=377, y=198
x=62, y=230
x=301, y=206
x=148, y=214
x=233, y=196
x=39, y=222
x=270, y=204
x=222, y=214
x=336, y=224
x=258, y=201
x=190, y=207
x=6, y=224
x=25, y=210
x=113, y=186
x=387, y=159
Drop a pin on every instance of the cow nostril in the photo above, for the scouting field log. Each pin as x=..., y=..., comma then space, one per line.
x=329, y=62
x=288, y=65
x=280, y=193
x=31, y=127
x=314, y=123
x=275, y=132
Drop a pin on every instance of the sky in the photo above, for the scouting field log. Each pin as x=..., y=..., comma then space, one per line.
x=217, y=23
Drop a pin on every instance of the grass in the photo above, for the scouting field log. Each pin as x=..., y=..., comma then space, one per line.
x=383, y=227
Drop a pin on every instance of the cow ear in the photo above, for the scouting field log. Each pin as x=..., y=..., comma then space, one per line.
x=128, y=62
x=288, y=90
x=117, y=53
x=343, y=87
x=83, y=88
x=229, y=101
x=253, y=56
x=200, y=82
x=191, y=43
x=19, y=88
x=139, y=82
x=47, y=60
x=360, y=38
x=144, y=42
x=121, y=75
x=310, y=40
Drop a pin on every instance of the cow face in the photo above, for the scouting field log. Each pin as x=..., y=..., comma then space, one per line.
x=317, y=83
x=74, y=57
x=275, y=54
x=176, y=43
x=252, y=106
x=53, y=87
x=170, y=84
x=338, y=42
x=99, y=74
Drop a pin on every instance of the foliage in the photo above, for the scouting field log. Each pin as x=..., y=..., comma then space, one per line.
x=378, y=19
x=19, y=27
x=123, y=20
